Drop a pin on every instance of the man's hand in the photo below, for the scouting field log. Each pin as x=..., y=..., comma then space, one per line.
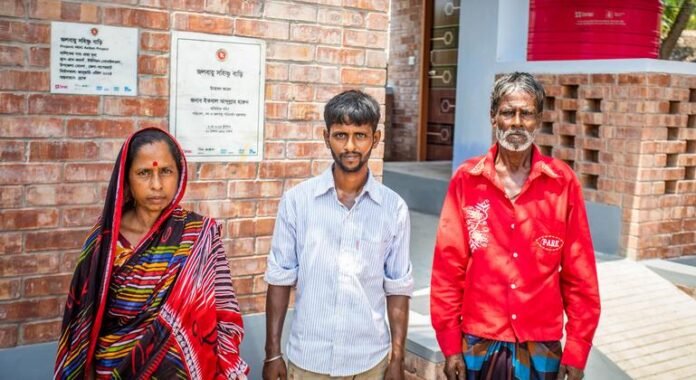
x=275, y=370
x=395, y=370
x=572, y=373
x=455, y=369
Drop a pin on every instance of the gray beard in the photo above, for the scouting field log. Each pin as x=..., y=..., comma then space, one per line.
x=503, y=135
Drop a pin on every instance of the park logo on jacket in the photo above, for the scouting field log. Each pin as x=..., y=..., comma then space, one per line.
x=550, y=243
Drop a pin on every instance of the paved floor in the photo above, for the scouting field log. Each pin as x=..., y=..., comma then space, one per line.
x=647, y=329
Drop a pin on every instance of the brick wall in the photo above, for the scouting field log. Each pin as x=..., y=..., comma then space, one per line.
x=405, y=41
x=57, y=151
x=631, y=138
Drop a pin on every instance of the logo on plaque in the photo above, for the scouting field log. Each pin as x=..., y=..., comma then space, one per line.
x=94, y=31
x=221, y=55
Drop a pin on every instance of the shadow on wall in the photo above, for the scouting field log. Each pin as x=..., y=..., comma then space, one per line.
x=35, y=362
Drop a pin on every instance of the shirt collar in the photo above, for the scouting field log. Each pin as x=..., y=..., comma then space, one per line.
x=326, y=183
x=540, y=164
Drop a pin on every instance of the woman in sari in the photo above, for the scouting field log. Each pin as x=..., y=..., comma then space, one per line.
x=152, y=295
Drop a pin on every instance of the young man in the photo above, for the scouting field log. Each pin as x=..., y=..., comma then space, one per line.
x=513, y=253
x=342, y=239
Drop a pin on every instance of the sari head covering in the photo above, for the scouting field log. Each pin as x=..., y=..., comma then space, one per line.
x=168, y=310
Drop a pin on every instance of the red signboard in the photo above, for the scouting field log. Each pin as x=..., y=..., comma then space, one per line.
x=591, y=29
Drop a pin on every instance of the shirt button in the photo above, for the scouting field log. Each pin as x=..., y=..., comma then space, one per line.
x=514, y=254
x=514, y=316
x=512, y=226
x=513, y=286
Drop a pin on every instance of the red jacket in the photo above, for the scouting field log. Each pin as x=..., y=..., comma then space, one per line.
x=508, y=270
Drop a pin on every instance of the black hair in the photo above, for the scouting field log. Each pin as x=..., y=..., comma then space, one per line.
x=352, y=107
x=148, y=137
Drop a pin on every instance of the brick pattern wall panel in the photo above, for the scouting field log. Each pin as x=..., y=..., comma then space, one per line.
x=57, y=151
x=631, y=139
x=406, y=29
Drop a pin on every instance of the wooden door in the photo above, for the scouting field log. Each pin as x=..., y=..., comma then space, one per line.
x=441, y=68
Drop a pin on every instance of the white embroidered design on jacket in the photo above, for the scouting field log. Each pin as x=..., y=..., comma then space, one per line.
x=476, y=223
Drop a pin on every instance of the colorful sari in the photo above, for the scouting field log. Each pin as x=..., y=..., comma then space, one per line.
x=164, y=309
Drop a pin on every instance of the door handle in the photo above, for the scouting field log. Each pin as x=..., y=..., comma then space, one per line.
x=447, y=38
x=445, y=77
x=450, y=8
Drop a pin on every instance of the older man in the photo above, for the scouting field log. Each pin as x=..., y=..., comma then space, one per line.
x=513, y=253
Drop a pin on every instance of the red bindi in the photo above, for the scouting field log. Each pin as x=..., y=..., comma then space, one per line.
x=154, y=164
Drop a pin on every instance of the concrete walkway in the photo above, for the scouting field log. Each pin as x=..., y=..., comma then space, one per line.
x=648, y=326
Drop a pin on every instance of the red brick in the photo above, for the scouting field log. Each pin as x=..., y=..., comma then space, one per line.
x=227, y=209
x=12, y=8
x=313, y=149
x=62, y=151
x=8, y=336
x=316, y=34
x=342, y=55
x=264, y=226
x=372, y=5
x=86, y=172
x=373, y=77
x=11, y=55
x=47, y=285
x=276, y=71
x=289, y=91
x=83, y=216
x=254, y=189
x=162, y=124
x=218, y=6
x=9, y=289
x=38, y=332
x=324, y=94
x=241, y=228
x=313, y=74
x=362, y=38
x=28, y=219
x=278, y=30
x=376, y=58
x=275, y=110
x=252, y=304
x=11, y=103
x=243, y=285
x=39, y=56
x=153, y=86
x=282, y=130
x=100, y=128
x=274, y=150
x=188, y=5
x=345, y=17
x=245, y=266
x=631, y=79
x=263, y=245
x=63, y=104
x=10, y=243
x=377, y=21
x=147, y=19
x=284, y=169
x=306, y=111
x=238, y=170
x=206, y=190
x=62, y=194
x=21, y=31
x=11, y=196
x=289, y=51
x=53, y=240
x=80, y=12
x=154, y=41
x=17, y=265
x=253, y=8
x=153, y=64
x=267, y=207
x=204, y=24
x=293, y=12
x=45, y=9
x=573, y=79
x=17, y=174
x=11, y=151
x=260, y=284
x=239, y=247
x=156, y=107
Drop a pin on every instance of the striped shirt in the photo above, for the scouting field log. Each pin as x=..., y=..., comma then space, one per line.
x=343, y=263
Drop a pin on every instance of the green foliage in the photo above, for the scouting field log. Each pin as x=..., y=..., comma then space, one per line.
x=669, y=14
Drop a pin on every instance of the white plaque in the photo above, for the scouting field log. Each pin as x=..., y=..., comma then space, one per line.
x=217, y=96
x=93, y=59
